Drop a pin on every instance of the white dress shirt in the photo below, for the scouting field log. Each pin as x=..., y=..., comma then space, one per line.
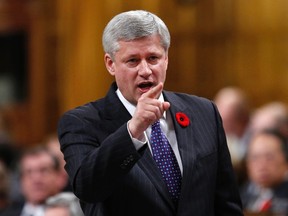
x=32, y=210
x=166, y=125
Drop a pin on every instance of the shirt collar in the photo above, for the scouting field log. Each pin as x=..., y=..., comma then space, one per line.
x=131, y=107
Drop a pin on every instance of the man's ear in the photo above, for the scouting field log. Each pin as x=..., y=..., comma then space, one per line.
x=109, y=63
x=166, y=60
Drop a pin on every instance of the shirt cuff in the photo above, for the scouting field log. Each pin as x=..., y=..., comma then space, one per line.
x=138, y=143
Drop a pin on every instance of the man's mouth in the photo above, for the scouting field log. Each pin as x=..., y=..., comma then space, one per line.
x=145, y=86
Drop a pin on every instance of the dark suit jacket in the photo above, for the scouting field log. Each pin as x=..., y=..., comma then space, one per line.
x=14, y=209
x=111, y=178
x=279, y=202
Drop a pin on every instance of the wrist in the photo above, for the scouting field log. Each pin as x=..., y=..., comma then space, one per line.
x=136, y=134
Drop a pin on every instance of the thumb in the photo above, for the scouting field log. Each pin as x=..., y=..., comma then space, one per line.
x=165, y=105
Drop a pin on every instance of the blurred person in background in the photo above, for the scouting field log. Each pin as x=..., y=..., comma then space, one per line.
x=232, y=103
x=267, y=164
x=39, y=179
x=270, y=115
x=9, y=155
x=53, y=145
x=63, y=204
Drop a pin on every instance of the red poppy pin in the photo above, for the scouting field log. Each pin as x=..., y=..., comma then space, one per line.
x=266, y=206
x=182, y=119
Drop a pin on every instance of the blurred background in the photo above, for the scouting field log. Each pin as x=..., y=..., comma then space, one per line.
x=51, y=56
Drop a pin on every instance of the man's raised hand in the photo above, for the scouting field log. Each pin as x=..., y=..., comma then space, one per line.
x=149, y=109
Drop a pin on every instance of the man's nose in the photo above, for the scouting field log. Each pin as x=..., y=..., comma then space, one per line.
x=144, y=69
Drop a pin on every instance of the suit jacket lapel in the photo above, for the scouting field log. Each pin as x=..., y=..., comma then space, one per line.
x=114, y=112
x=186, y=141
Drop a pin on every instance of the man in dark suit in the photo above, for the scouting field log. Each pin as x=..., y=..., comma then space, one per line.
x=108, y=146
x=266, y=189
x=39, y=179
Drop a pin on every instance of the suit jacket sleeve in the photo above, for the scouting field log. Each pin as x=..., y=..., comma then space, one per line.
x=96, y=158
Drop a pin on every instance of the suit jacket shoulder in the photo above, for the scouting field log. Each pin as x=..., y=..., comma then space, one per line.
x=14, y=209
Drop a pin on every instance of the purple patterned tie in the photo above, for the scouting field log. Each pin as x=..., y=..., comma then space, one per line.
x=166, y=161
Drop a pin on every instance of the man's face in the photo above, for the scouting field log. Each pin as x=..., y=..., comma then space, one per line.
x=39, y=179
x=266, y=161
x=138, y=66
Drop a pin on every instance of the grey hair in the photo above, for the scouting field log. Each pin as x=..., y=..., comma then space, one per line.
x=67, y=200
x=132, y=25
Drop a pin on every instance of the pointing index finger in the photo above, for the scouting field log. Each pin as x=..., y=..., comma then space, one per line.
x=155, y=92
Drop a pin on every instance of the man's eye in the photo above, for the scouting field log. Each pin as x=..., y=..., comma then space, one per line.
x=132, y=60
x=153, y=58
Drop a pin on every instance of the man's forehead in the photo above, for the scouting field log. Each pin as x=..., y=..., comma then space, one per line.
x=41, y=156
